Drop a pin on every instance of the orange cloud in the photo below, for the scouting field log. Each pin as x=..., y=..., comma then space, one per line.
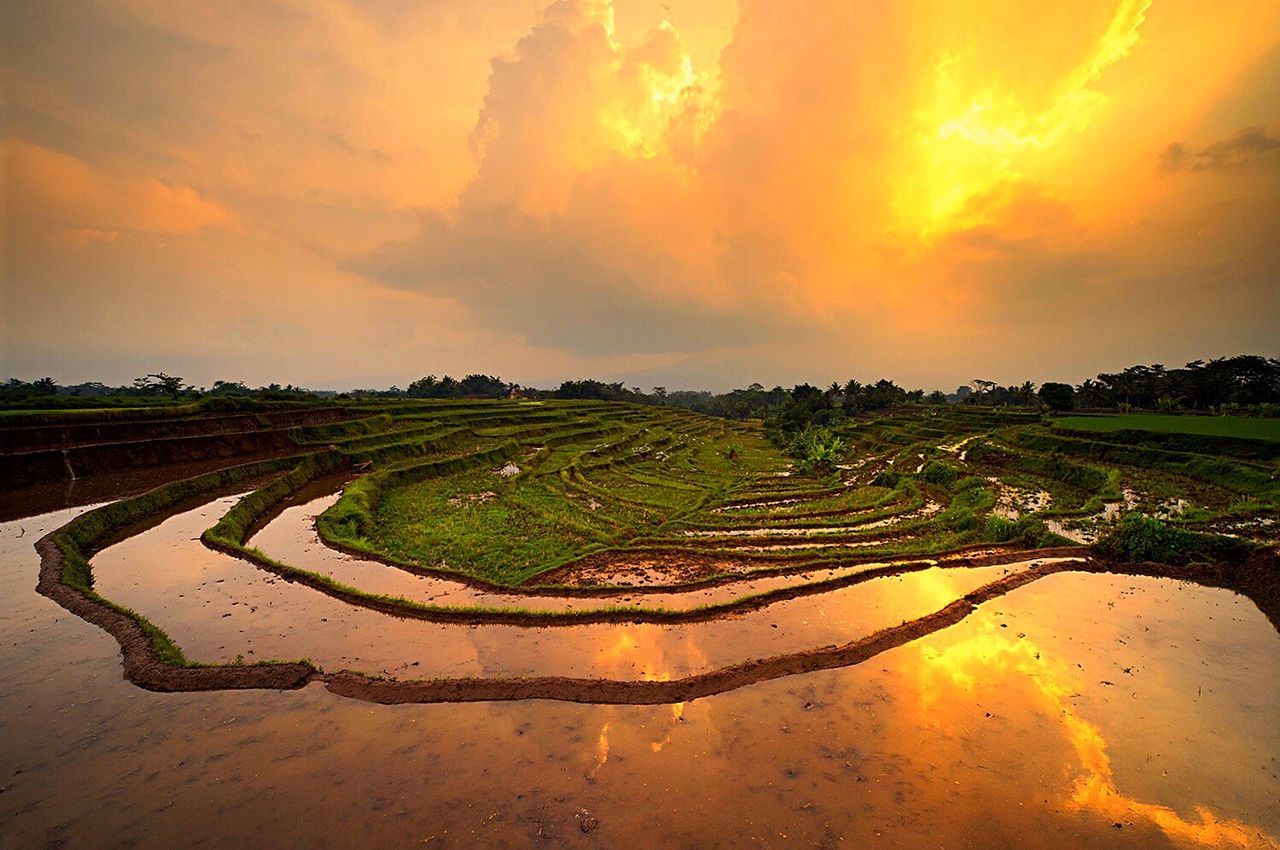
x=92, y=202
x=738, y=193
x=973, y=137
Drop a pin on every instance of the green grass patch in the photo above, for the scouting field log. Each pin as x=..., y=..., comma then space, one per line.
x=1212, y=426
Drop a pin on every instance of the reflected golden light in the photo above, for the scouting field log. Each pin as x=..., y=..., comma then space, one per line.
x=627, y=651
x=971, y=138
x=602, y=751
x=938, y=587
x=990, y=653
x=624, y=644
x=677, y=715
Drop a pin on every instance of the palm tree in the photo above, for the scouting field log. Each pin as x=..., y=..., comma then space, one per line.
x=1127, y=385
x=1088, y=393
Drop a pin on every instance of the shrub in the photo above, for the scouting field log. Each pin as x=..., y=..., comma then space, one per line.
x=817, y=448
x=1142, y=538
x=998, y=529
x=981, y=450
x=966, y=507
x=937, y=472
x=1057, y=396
x=1028, y=530
x=958, y=518
x=1265, y=409
x=889, y=478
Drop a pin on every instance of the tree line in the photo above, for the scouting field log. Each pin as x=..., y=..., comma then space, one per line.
x=1231, y=383
x=1241, y=384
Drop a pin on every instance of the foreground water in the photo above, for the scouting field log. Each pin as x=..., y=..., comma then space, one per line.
x=1081, y=710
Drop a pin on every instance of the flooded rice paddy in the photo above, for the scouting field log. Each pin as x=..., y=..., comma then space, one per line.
x=217, y=607
x=1081, y=709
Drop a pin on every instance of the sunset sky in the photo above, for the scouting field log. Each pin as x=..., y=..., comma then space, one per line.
x=690, y=194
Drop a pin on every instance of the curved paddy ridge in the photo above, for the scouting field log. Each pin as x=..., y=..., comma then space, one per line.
x=290, y=536
x=218, y=607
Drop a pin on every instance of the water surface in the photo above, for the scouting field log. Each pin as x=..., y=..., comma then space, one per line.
x=1081, y=710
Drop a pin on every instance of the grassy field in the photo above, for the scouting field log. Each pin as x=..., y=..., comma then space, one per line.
x=1210, y=426
x=502, y=492
x=587, y=480
x=611, y=479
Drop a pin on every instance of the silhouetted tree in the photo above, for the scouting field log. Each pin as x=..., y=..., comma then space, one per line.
x=1058, y=396
x=159, y=383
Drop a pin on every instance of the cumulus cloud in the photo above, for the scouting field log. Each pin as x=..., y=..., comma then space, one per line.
x=615, y=186
x=583, y=228
x=1250, y=146
x=618, y=206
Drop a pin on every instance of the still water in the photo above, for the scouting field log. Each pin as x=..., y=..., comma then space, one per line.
x=1080, y=710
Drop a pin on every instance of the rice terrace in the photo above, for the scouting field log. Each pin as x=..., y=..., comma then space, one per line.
x=865, y=430
x=623, y=554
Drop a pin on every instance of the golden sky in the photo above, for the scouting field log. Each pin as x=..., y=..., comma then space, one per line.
x=681, y=193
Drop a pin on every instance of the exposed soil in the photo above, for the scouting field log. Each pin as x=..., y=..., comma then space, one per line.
x=655, y=568
x=675, y=569
x=711, y=611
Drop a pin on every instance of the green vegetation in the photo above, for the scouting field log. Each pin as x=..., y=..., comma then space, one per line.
x=937, y=472
x=1250, y=428
x=504, y=492
x=1058, y=396
x=628, y=479
x=817, y=449
x=1142, y=538
x=517, y=507
x=129, y=408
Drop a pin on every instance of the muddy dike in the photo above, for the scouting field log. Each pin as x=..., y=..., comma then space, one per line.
x=658, y=692
x=1259, y=579
x=151, y=669
x=144, y=659
x=150, y=659
x=595, y=574
x=36, y=455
